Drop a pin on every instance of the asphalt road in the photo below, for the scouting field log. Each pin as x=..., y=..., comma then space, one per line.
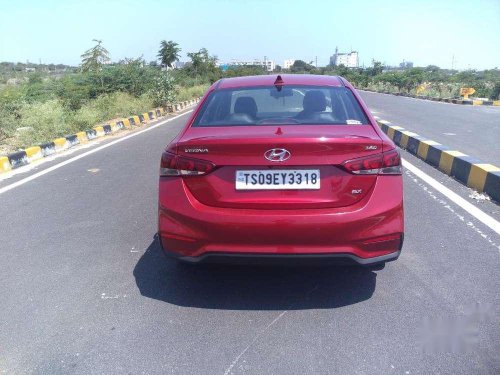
x=473, y=130
x=85, y=289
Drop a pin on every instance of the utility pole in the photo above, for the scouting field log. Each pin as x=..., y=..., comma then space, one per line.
x=316, y=62
x=265, y=64
x=453, y=62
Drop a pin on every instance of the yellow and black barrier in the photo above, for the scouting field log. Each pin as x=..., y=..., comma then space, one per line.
x=472, y=172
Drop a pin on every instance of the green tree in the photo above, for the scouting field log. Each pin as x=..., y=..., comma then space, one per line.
x=495, y=92
x=376, y=69
x=168, y=53
x=132, y=76
x=94, y=58
x=395, y=79
x=412, y=78
x=74, y=90
x=247, y=70
x=301, y=66
x=203, y=66
x=201, y=61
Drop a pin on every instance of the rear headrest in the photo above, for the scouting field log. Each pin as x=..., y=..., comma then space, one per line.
x=314, y=101
x=246, y=104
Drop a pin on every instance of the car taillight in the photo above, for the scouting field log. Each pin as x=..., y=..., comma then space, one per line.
x=175, y=165
x=385, y=163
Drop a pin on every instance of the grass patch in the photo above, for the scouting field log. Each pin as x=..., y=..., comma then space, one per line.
x=24, y=123
x=28, y=124
x=39, y=122
x=110, y=106
x=187, y=93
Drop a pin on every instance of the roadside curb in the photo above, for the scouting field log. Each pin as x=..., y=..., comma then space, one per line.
x=444, y=100
x=471, y=172
x=31, y=154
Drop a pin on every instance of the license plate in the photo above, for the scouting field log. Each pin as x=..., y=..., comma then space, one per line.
x=278, y=179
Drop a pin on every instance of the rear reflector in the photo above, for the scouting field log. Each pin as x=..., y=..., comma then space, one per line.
x=385, y=163
x=175, y=165
x=388, y=243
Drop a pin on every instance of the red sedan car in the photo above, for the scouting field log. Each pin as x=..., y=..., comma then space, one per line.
x=290, y=166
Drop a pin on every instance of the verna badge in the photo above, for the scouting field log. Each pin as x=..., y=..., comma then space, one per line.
x=196, y=150
x=277, y=154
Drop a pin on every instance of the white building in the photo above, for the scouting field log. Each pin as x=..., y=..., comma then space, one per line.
x=269, y=64
x=349, y=60
x=287, y=64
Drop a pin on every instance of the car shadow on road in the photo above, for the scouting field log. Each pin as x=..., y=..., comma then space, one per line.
x=250, y=287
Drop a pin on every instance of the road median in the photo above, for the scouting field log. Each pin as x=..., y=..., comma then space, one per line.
x=472, y=172
x=474, y=102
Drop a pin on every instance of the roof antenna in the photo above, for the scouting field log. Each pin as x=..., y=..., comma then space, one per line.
x=279, y=83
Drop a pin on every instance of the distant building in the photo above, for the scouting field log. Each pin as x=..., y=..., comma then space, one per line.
x=287, y=64
x=406, y=65
x=268, y=64
x=349, y=60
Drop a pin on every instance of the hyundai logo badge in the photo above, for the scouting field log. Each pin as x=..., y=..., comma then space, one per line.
x=277, y=154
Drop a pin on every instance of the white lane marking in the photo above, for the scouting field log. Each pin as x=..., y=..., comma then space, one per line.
x=228, y=370
x=454, y=197
x=104, y=296
x=78, y=157
x=454, y=210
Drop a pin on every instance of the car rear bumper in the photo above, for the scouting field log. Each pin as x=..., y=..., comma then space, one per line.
x=280, y=259
x=368, y=232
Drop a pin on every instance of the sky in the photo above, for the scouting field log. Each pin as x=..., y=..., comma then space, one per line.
x=425, y=32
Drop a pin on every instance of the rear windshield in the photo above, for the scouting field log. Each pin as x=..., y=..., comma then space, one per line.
x=287, y=105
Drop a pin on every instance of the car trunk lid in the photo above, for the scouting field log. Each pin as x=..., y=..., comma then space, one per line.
x=242, y=148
